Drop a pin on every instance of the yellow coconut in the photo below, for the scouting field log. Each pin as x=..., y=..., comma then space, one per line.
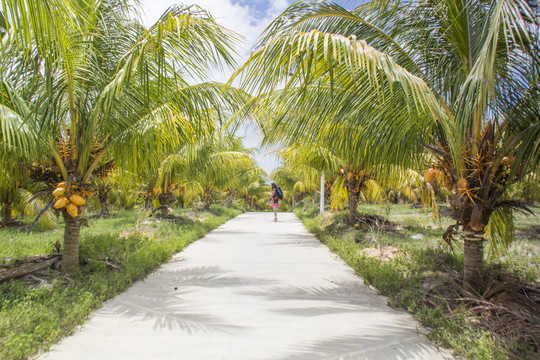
x=173, y=186
x=60, y=203
x=350, y=175
x=77, y=199
x=462, y=184
x=476, y=222
x=62, y=185
x=448, y=184
x=59, y=191
x=440, y=175
x=72, y=210
x=429, y=175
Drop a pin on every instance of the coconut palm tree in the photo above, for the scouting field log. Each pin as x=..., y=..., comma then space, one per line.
x=248, y=178
x=251, y=186
x=18, y=141
x=296, y=179
x=102, y=184
x=350, y=180
x=176, y=166
x=473, y=64
x=107, y=86
x=215, y=163
x=9, y=183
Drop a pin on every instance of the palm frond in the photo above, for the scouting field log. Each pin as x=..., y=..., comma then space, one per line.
x=32, y=206
x=338, y=197
x=500, y=230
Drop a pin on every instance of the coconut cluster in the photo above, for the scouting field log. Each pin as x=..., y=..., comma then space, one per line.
x=462, y=184
x=352, y=174
x=66, y=199
x=156, y=191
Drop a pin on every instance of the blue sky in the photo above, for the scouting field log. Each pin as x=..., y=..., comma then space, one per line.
x=246, y=17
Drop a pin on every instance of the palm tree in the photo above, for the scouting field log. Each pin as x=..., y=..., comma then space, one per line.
x=215, y=163
x=103, y=185
x=110, y=87
x=248, y=178
x=350, y=180
x=174, y=168
x=296, y=178
x=473, y=64
x=249, y=184
x=18, y=140
x=9, y=183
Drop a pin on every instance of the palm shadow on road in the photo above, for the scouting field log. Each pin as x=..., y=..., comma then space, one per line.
x=392, y=344
x=162, y=299
x=378, y=329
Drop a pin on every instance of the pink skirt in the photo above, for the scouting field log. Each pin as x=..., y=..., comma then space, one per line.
x=274, y=205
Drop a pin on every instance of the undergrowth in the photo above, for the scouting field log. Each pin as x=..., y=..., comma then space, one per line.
x=420, y=267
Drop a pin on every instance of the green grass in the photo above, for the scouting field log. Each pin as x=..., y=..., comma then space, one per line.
x=422, y=264
x=32, y=318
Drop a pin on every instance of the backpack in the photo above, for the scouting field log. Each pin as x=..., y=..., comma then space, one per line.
x=279, y=192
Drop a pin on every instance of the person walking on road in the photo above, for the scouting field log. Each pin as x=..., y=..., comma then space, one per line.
x=274, y=200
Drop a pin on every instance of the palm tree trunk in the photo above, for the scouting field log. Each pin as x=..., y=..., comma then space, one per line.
x=327, y=191
x=230, y=197
x=246, y=198
x=182, y=201
x=103, y=203
x=70, y=257
x=147, y=203
x=207, y=197
x=6, y=214
x=352, y=200
x=473, y=259
x=164, y=199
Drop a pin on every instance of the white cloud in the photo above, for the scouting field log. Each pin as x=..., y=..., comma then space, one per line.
x=229, y=13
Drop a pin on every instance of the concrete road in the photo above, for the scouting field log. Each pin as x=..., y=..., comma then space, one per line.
x=251, y=289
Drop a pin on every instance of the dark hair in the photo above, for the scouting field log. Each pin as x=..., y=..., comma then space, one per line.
x=274, y=185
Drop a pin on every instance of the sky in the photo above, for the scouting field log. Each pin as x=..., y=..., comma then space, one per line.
x=248, y=18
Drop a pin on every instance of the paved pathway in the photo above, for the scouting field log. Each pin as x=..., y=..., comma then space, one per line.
x=252, y=289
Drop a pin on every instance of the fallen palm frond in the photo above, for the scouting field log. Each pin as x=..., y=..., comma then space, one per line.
x=507, y=307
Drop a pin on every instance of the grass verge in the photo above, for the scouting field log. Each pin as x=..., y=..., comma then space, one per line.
x=32, y=318
x=408, y=262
